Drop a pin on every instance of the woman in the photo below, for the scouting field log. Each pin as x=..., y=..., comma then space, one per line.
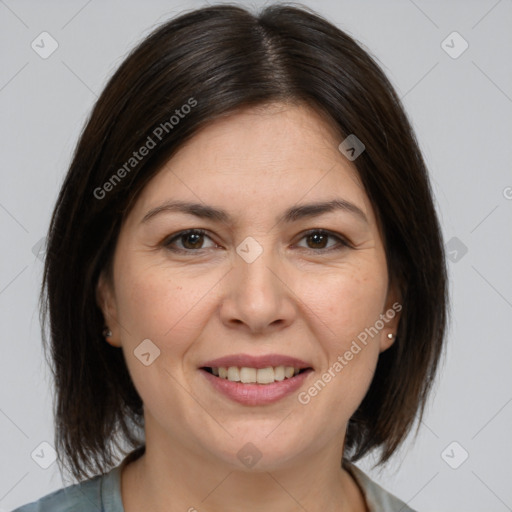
x=245, y=278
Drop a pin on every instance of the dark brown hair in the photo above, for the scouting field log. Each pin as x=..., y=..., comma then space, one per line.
x=220, y=59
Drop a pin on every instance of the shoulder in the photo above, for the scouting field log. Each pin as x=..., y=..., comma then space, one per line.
x=85, y=496
x=378, y=499
x=100, y=493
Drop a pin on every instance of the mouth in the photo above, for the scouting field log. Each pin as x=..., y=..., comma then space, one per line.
x=255, y=380
x=248, y=375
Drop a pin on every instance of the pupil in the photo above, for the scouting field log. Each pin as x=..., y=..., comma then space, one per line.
x=193, y=245
x=318, y=239
x=196, y=239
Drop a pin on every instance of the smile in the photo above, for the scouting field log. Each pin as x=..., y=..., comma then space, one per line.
x=247, y=375
x=255, y=380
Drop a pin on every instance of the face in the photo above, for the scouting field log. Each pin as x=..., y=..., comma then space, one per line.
x=251, y=280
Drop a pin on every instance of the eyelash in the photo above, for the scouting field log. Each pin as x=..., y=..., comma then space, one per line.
x=342, y=243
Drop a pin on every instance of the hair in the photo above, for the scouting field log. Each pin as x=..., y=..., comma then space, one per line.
x=218, y=60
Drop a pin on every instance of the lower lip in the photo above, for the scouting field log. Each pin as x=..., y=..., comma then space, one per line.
x=256, y=394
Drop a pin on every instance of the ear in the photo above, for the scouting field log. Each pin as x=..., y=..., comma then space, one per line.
x=390, y=317
x=105, y=298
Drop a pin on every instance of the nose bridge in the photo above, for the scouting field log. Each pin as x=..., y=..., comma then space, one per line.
x=256, y=295
x=252, y=265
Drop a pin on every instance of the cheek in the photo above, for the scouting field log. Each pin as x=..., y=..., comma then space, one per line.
x=165, y=306
x=167, y=309
x=346, y=301
x=346, y=306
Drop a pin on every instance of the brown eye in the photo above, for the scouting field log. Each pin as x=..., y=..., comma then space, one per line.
x=188, y=241
x=319, y=239
x=192, y=240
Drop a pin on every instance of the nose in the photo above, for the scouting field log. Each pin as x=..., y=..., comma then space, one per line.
x=257, y=296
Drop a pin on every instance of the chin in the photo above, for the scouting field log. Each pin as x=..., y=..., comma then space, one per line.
x=254, y=452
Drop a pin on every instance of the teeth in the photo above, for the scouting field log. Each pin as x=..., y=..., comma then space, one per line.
x=279, y=373
x=233, y=374
x=248, y=375
x=255, y=375
x=265, y=375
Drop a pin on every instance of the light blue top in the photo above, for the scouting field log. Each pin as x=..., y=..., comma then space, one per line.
x=103, y=494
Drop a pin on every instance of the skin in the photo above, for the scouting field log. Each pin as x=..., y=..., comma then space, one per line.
x=300, y=297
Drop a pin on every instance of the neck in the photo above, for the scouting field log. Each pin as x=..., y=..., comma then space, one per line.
x=170, y=476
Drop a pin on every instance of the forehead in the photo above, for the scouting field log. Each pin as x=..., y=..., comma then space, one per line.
x=267, y=156
x=266, y=135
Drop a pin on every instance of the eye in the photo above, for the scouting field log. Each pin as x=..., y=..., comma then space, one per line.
x=191, y=240
x=318, y=240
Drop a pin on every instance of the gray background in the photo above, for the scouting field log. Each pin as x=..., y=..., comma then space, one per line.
x=461, y=109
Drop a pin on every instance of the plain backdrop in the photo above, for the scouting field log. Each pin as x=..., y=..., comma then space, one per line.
x=460, y=102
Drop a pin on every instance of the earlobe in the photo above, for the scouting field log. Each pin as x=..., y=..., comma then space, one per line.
x=103, y=296
x=106, y=302
x=391, y=317
x=386, y=341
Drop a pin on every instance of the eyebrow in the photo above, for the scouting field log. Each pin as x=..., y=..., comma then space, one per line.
x=293, y=214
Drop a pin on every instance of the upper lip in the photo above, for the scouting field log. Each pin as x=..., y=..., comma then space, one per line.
x=249, y=361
